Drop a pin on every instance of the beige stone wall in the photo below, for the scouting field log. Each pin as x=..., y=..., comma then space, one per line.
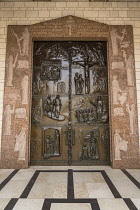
x=26, y=13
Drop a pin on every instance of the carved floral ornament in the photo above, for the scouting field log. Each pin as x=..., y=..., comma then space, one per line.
x=122, y=88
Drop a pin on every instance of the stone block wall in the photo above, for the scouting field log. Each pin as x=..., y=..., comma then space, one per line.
x=26, y=13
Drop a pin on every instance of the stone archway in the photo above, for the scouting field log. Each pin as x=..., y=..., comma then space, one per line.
x=122, y=88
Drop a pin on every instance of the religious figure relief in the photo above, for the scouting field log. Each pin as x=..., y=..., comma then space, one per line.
x=117, y=65
x=23, y=42
x=118, y=41
x=120, y=144
x=101, y=109
x=99, y=82
x=61, y=87
x=23, y=64
x=132, y=117
x=36, y=114
x=20, y=113
x=119, y=112
x=105, y=138
x=20, y=145
x=24, y=89
x=97, y=113
x=122, y=97
x=51, y=70
x=90, y=146
x=80, y=102
x=87, y=66
x=11, y=65
x=116, y=89
x=51, y=143
x=119, y=96
x=131, y=92
x=13, y=95
x=129, y=60
x=8, y=119
x=52, y=108
x=39, y=86
x=79, y=84
x=70, y=23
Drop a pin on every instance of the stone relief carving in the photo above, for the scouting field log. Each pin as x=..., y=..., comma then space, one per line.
x=24, y=89
x=70, y=23
x=23, y=64
x=20, y=145
x=23, y=42
x=119, y=96
x=11, y=65
x=14, y=95
x=122, y=97
x=117, y=65
x=116, y=89
x=20, y=113
x=7, y=119
x=119, y=112
x=120, y=144
x=129, y=68
x=131, y=92
x=118, y=41
x=132, y=117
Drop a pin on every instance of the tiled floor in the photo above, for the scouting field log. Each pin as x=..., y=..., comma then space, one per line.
x=70, y=188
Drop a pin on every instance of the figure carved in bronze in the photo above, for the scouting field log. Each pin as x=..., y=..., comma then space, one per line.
x=57, y=106
x=70, y=77
x=50, y=70
x=36, y=114
x=99, y=82
x=79, y=84
x=52, y=143
x=97, y=113
x=61, y=87
x=52, y=108
x=86, y=66
x=90, y=146
x=105, y=138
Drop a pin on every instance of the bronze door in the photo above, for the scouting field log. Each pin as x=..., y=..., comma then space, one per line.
x=70, y=113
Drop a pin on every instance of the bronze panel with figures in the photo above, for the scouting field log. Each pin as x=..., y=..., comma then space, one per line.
x=70, y=111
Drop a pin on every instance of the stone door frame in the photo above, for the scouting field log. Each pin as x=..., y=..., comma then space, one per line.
x=18, y=82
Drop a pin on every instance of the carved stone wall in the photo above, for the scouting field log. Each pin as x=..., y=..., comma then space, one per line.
x=122, y=88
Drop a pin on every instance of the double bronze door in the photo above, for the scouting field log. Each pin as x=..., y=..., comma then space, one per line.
x=70, y=117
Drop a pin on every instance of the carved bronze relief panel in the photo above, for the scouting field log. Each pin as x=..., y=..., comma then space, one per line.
x=70, y=113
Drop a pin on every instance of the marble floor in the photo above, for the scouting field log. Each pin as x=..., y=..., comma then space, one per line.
x=70, y=188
